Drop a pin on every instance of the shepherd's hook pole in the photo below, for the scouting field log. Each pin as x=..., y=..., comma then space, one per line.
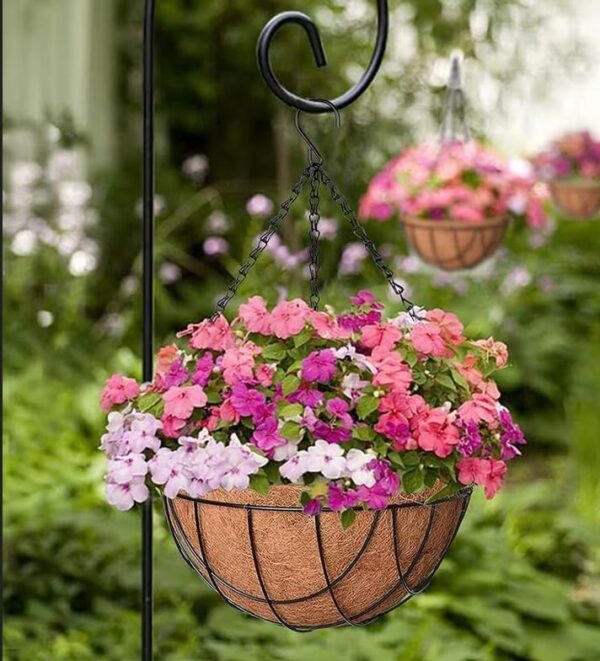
x=148, y=301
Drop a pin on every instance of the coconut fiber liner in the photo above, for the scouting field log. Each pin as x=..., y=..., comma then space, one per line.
x=452, y=244
x=264, y=556
x=578, y=200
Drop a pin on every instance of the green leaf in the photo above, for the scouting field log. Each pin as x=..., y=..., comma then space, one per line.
x=290, y=430
x=459, y=379
x=411, y=357
x=412, y=480
x=347, y=518
x=290, y=384
x=303, y=337
x=260, y=484
x=272, y=472
x=449, y=490
x=366, y=406
x=397, y=458
x=304, y=498
x=411, y=458
x=213, y=396
x=363, y=433
x=446, y=381
x=273, y=352
x=430, y=476
x=290, y=410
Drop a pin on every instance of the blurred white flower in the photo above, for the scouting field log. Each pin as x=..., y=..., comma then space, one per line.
x=159, y=206
x=45, y=318
x=352, y=258
x=24, y=243
x=81, y=263
x=517, y=278
x=196, y=168
x=74, y=193
x=328, y=228
x=63, y=164
x=217, y=222
x=25, y=174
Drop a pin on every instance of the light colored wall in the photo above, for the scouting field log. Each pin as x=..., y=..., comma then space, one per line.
x=59, y=55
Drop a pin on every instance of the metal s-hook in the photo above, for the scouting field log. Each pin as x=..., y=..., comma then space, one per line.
x=305, y=22
x=312, y=148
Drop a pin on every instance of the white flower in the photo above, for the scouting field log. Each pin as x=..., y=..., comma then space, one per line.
x=327, y=459
x=408, y=320
x=295, y=467
x=360, y=360
x=352, y=385
x=356, y=467
x=285, y=452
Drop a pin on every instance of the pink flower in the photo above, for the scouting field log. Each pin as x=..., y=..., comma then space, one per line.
x=327, y=326
x=237, y=365
x=488, y=473
x=264, y=374
x=494, y=349
x=319, y=366
x=255, y=316
x=123, y=470
x=172, y=426
x=118, y=389
x=365, y=297
x=392, y=371
x=480, y=408
x=384, y=335
x=449, y=325
x=209, y=334
x=437, y=434
x=165, y=357
x=288, y=318
x=181, y=402
x=468, y=370
x=427, y=339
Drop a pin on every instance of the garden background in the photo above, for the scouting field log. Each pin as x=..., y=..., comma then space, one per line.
x=522, y=580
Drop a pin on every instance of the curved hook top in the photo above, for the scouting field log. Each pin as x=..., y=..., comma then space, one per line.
x=304, y=21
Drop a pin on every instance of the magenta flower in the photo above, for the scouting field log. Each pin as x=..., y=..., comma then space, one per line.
x=266, y=437
x=175, y=376
x=313, y=506
x=319, y=366
x=306, y=396
x=338, y=408
x=246, y=401
x=203, y=370
x=470, y=439
x=339, y=499
x=511, y=436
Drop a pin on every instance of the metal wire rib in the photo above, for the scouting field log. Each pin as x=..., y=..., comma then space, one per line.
x=262, y=243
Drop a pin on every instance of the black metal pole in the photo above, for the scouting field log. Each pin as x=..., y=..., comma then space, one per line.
x=148, y=301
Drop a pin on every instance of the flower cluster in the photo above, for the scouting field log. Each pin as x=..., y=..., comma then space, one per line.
x=455, y=181
x=573, y=155
x=352, y=407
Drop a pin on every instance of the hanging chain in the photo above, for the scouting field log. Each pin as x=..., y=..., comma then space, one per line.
x=359, y=231
x=314, y=234
x=262, y=243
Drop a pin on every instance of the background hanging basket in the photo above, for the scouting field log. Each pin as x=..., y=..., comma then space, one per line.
x=452, y=245
x=579, y=200
x=268, y=558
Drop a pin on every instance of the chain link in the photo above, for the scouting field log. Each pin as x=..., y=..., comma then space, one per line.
x=359, y=231
x=262, y=243
x=314, y=234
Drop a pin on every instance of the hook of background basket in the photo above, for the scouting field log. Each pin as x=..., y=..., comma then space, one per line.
x=305, y=22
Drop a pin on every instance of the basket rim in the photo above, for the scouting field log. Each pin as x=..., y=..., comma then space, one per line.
x=461, y=493
x=575, y=183
x=492, y=221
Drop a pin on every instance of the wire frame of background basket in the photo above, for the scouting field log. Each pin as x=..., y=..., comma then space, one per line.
x=452, y=245
x=267, y=558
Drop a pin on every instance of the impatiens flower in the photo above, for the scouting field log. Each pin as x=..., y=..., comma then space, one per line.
x=470, y=439
x=313, y=506
x=306, y=395
x=392, y=371
x=365, y=297
x=172, y=426
x=118, y=389
x=255, y=316
x=143, y=433
x=427, y=339
x=246, y=401
x=494, y=349
x=511, y=435
x=480, y=408
x=181, y=402
x=339, y=408
x=450, y=327
x=175, y=376
x=359, y=359
x=340, y=499
x=123, y=470
x=352, y=385
x=384, y=335
x=488, y=473
x=204, y=367
x=266, y=437
x=358, y=467
x=331, y=433
x=165, y=357
x=123, y=496
x=167, y=470
x=264, y=374
x=319, y=366
x=237, y=365
x=468, y=370
x=327, y=459
x=295, y=467
x=210, y=334
x=288, y=318
x=437, y=434
x=327, y=326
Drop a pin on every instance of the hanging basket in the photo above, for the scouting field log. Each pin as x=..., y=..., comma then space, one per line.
x=579, y=200
x=264, y=556
x=451, y=244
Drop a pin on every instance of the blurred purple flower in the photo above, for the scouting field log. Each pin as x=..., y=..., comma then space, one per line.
x=352, y=259
x=215, y=245
x=328, y=228
x=518, y=278
x=259, y=205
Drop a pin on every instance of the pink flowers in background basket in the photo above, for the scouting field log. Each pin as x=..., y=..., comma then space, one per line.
x=573, y=155
x=457, y=181
x=352, y=406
